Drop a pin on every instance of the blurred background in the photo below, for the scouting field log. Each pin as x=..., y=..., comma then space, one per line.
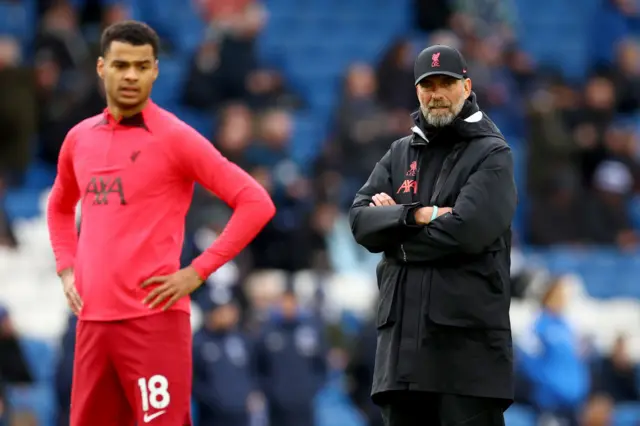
x=307, y=95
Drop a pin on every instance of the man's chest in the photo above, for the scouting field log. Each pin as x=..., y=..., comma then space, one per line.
x=429, y=176
x=117, y=169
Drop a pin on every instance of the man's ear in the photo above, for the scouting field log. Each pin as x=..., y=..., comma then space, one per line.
x=467, y=88
x=100, y=67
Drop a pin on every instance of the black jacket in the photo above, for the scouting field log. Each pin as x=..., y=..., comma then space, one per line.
x=443, y=316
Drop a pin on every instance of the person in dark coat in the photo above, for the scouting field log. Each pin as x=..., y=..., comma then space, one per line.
x=439, y=205
x=224, y=379
x=291, y=360
x=359, y=374
x=64, y=372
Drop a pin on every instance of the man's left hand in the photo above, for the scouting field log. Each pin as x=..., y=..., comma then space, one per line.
x=382, y=199
x=172, y=287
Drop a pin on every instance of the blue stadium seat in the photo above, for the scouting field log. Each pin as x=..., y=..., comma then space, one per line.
x=634, y=211
x=18, y=19
x=39, y=176
x=168, y=88
x=626, y=414
x=519, y=415
x=22, y=203
x=38, y=399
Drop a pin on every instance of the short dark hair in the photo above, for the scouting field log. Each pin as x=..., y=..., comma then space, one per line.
x=135, y=33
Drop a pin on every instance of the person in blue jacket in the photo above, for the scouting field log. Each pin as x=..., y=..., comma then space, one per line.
x=224, y=381
x=292, y=363
x=552, y=360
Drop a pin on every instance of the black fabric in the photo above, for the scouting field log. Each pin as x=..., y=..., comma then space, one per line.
x=432, y=409
x=443, y=315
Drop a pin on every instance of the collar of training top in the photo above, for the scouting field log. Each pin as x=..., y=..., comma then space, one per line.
x=139, y=120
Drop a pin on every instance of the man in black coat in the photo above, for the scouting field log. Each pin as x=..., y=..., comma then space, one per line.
x=439, y=205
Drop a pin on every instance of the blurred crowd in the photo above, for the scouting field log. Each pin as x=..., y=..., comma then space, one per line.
x=259, y=346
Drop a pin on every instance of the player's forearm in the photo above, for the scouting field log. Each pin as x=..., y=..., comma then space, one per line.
x=61, y=221
x=253, y=210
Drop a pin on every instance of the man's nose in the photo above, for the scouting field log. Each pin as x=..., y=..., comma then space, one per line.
x=131, y=74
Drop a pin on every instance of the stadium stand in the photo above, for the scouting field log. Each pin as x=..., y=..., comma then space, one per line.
x=312, y=42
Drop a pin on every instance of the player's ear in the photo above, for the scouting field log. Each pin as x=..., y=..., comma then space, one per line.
x=156, y=70
x=100, y=67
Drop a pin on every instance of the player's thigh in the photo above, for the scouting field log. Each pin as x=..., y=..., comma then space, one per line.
x=154, y=363
x=97, y=398
x=460, y=410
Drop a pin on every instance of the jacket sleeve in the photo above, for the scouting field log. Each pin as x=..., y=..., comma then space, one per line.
x=482, y=212
x=376, y=228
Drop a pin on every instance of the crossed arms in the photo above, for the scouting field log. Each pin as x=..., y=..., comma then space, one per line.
x=481, y=213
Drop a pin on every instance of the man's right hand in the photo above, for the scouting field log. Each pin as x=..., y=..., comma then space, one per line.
x=70, y=292
x=423, y=214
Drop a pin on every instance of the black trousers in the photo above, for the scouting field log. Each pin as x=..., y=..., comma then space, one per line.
x=409, y=408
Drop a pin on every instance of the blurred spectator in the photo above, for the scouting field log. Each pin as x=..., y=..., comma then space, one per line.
x=15, y=373
x=64, y=372
x=234, y=26
x=225, y=387
x=267, y=89
x=552, y=361
x=627, y=77
x=362, y=135
x=235, y=133
x=591, y=122
x=60, y=39
x=359, y=373
x=17, y=111
x=552, y=150
x=395, y=78
x=521, y=68
x=557, y=212
x=485, y=18
x=62, y=103
x=205, y=84
x=291, y=358
x=617, y=375
x=7, y=235
x=289, y=241
x=432, y=15
x=598, y=411
x=492, y=81
x=613, y=21
x=607, y=215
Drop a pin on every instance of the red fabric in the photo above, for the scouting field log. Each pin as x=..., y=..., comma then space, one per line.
x=135, y=185
x=221, y=9
x=121, y=368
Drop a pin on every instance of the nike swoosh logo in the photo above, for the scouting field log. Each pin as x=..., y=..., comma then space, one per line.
x=148, y=417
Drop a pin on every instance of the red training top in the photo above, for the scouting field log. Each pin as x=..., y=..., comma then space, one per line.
x=135, y=178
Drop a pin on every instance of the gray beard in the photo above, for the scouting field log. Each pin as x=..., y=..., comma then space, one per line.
x=441, y=120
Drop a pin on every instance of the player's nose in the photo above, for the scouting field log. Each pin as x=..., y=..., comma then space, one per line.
x=131, y=75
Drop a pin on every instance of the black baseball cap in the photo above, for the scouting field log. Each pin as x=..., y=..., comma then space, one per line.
x=439, y=60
